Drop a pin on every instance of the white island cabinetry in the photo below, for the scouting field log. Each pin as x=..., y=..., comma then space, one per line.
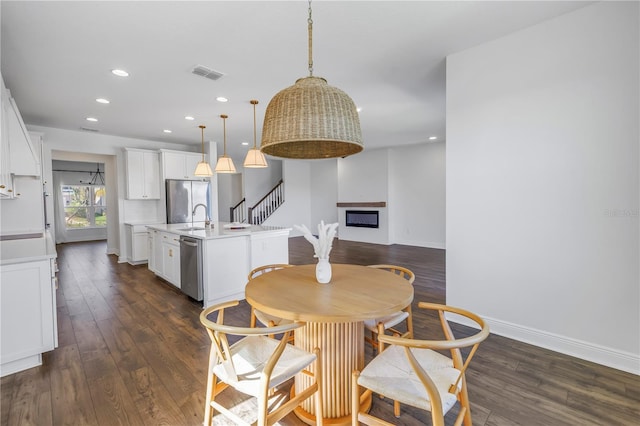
x=164, y=254
x=171, y=258
x=228, y=255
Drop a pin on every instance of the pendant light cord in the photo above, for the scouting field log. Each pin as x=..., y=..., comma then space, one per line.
x=254, y=103
x=224, y=132
x=310, y=28
x=202, y=131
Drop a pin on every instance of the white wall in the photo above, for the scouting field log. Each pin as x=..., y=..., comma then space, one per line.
x=258, y=182
x=229, y=194
x=74, y=145
x=296, y=209
x=413, y=175
x=543, y=184
x=364, y=178
x=417, y=195
x=324, y=192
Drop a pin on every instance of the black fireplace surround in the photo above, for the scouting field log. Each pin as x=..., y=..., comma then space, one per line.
x=362, y=218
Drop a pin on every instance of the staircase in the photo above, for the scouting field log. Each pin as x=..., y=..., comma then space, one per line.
x=267, y=205
x=237, y=212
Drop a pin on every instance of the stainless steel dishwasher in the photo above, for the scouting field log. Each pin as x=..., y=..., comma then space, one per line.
x=191, y=281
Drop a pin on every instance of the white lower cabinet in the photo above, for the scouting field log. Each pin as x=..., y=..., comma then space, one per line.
x=171, y=259
x=156, y=252
x=137, y=244
x=165, y=256
x=28, y=317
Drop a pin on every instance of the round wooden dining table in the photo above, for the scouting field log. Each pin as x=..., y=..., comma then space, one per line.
x=334, y=315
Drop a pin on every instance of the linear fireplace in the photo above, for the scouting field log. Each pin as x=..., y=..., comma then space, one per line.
x=362, y=218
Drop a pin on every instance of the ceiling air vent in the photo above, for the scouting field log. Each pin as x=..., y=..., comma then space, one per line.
x=205, y=72
x=86, y=129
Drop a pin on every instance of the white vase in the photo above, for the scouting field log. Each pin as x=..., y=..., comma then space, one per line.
x=323, y=271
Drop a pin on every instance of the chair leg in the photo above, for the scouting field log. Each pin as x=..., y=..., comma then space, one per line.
x=263, y=402
x=211, y=386
x=252, y=323
x=396, y=409
x=380, y=333
x=463, y=397
x=409, y=322
x=355, y=398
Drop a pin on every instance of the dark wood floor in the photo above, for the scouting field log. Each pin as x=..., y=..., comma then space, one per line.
x=132, y=351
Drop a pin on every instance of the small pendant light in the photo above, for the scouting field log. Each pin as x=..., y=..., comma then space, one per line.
x=203, y=168
x=255, y=158
x=225, y=164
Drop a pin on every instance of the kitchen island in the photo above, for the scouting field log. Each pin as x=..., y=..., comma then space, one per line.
x=227, y=253
x=27, y=300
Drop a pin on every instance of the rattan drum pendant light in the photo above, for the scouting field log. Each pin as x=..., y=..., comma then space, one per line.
x=311, y=120
x=255, y=158
x=225, y=164
x=203, y=168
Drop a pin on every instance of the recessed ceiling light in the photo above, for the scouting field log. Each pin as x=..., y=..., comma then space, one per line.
x=433, y=138
x=245, y=143
x=91, y=119
x=120, y=73
x=102, y=101
x=190, y=118
x=221, y=99
x=167, y=131
x=358, y=109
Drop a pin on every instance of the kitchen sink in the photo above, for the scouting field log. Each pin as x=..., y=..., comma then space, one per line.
x=192, y=228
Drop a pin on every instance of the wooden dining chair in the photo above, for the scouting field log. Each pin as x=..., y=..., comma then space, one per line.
x=255, y=365
x=378, y=326
x=412, y=372
x=256, y=314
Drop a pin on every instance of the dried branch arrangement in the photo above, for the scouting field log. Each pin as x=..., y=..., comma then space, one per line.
x=321, y=244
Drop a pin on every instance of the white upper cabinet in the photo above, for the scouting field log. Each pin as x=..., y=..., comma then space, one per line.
x=25, y=157
x=19, y=156
x=6, y=180
x=180, y=165
x=143, y=174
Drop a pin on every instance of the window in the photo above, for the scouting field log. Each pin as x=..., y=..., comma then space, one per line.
x=85, y=206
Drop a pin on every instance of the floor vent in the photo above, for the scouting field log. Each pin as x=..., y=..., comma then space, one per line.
x=205, y=72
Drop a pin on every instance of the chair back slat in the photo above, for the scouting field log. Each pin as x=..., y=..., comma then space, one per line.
x=427, y=382
x=398, y=270
x=266, y=268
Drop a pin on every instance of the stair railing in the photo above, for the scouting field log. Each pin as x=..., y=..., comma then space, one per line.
x=236, y=213
x=267, y=205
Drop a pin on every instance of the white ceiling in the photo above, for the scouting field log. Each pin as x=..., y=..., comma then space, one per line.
x=389, y=56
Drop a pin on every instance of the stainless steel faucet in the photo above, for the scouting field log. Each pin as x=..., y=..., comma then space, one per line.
x=207, y=221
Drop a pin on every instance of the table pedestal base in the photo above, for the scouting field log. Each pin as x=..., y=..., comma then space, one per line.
x=310, y=419
x=341, y=351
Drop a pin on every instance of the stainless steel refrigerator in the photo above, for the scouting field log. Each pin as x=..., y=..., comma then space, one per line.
x=183, y=196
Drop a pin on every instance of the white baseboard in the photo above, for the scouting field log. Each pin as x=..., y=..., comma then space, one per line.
x=426, y=244
x=609, y=357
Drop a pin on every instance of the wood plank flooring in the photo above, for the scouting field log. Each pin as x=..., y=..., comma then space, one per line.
x=132, y=352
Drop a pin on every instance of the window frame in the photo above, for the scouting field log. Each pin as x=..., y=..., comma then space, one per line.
x=91, y=208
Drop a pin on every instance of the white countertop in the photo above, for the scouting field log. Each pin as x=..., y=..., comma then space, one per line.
x=27, y=250
x=217, y=230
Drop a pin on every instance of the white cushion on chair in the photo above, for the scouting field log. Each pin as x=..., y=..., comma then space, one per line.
x=264, y=319
x=388, y=321
x=250, y=355
x=391, y=375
